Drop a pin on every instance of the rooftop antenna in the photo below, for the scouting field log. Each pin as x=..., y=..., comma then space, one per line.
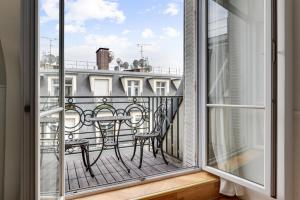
x=141, y=45
x=51, y=40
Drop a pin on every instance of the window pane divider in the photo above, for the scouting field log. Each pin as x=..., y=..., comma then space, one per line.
x=235, y=106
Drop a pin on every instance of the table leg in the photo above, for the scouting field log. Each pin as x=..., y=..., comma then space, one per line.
x=117, y=146
x=118, y=149
x=103, y=144
x=88, y=161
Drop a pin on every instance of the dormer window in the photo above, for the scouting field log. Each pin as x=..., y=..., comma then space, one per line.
x=161, y=88
x=133, y=88
x=70, y=85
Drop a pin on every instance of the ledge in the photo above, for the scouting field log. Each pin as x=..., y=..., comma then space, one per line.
x=200, y=186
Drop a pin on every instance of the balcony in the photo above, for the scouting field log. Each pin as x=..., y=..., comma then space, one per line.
x=108, y=170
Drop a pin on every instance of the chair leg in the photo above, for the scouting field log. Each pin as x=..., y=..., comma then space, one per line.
x=134, y=150
x=162, y=153
x=153, y=147
x=88, y=162
x=141, y=153
x=83, y=156
x=116, y=153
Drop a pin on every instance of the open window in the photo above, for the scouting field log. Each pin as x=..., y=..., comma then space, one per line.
x=237, y=96
x=233, y=75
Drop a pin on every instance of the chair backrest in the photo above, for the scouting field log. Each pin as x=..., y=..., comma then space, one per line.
x=160, y=117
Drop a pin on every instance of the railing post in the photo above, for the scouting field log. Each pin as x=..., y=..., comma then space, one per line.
x=167, y=140
x=178, y=120
x=172, y=137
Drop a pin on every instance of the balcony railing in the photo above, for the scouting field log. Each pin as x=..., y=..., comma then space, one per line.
x=107, y=170
x=79, y=110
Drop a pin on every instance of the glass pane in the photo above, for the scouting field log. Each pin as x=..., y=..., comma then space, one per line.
x=50, y=86
x=49, y=156
x=136, y=83
x=49, y=54
x=69, y=81
x=236, y=52
x=236, y=142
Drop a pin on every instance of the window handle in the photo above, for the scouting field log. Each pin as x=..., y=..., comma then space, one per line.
x=27, y=108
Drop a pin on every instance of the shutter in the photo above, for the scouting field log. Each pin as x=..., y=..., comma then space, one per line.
x=101, y=87
x=190, y=62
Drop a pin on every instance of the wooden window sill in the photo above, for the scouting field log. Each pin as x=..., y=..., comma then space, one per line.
x=200, y=186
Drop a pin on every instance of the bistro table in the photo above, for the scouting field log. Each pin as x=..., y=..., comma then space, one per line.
x=110, y=140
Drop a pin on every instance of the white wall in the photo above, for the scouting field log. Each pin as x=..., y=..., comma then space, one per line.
x=10, y=38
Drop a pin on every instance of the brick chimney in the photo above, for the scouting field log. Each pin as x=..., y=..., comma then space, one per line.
x=103, y=58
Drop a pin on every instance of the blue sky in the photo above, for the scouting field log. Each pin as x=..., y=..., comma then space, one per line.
x=118, y=25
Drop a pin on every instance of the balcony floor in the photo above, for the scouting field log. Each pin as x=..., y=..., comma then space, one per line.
x=109, y=171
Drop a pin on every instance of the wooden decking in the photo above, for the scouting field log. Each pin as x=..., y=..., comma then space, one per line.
x=108, y=170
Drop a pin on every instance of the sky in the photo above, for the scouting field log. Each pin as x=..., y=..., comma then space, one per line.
x=119, y=25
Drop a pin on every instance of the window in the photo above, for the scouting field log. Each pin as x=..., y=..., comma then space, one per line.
x=70, y=86
x=133, y=88
x=238, y=92
x=101, y=85
x=54, y=87
x=161, y=88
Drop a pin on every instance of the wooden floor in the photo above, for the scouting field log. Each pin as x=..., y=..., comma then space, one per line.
x=108, y=171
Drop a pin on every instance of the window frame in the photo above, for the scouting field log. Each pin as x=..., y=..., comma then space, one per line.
x=106, y=78
x=167, y=87
x=270, y=183
x=140, y=86
x=50, y=84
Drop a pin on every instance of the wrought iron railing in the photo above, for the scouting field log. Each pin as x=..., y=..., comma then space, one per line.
x=80, y=109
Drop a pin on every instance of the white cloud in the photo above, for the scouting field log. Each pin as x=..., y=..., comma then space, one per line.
x=172, y=9
x=171, y=32
x=87, y=51
x=126, y=31
x=147, y=33
x=73, y=28
x=107, y=41
x=51, y=9
x=82, y=10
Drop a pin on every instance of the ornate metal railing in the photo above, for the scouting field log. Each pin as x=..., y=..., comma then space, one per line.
x=79, y=110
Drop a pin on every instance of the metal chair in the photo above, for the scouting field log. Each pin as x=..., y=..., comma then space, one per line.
x=158, y=132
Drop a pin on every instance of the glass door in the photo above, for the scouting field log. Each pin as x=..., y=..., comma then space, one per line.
x=238, y=103
x=51, y=137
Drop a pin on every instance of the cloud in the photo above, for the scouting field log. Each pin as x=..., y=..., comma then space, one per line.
x=80, y=11
x=171, y=32
x=126, y=31
x=83, y=10
x=51, y=9
x=107, y=41
x=172, y=9
x=73, y=28
x=120, y=46
x=147, y=33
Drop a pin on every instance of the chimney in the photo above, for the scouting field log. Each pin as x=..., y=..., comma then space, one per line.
x=103, y=58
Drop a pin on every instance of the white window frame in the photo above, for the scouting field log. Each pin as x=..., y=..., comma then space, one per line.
x=125, y=84
x=51, y=78
x=107, y=78
x=203, y=108
x=167, y=86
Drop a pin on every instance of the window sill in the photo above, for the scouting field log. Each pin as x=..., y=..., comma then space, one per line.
x=189, y=186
